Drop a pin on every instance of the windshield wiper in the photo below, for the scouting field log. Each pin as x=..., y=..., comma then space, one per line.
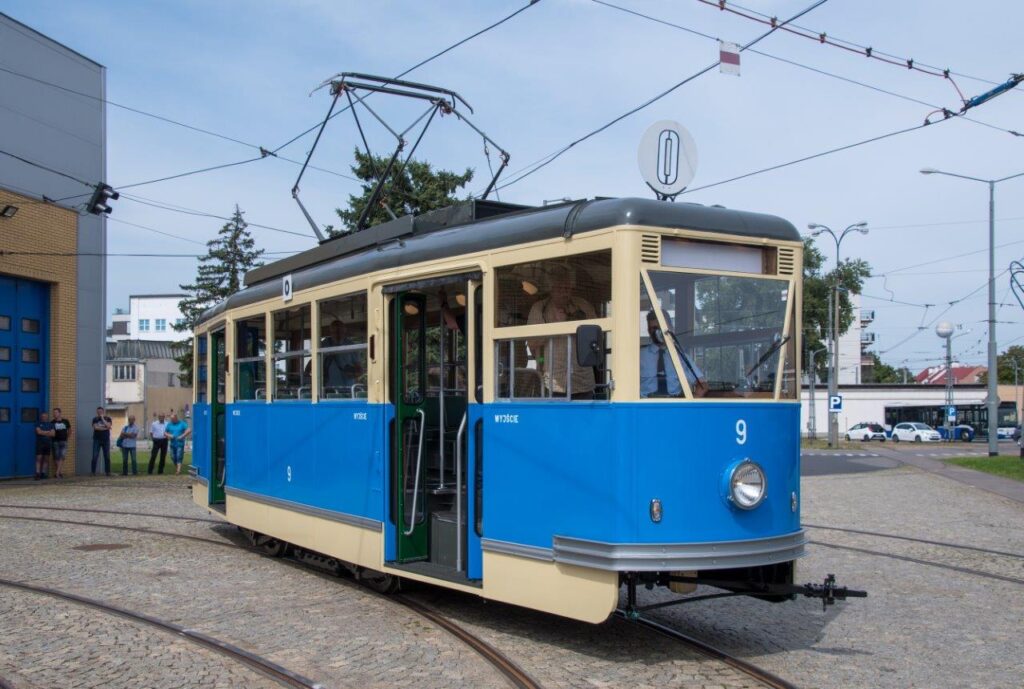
x=764, y=357
x=687, y=364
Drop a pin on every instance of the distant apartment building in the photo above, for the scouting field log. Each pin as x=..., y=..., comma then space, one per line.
x=142, y=380
x=149, y=317
x=855, y=363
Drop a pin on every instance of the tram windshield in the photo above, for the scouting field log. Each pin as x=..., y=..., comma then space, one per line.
x=728, y=333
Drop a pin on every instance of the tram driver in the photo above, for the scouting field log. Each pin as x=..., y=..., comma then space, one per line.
x=657, y=374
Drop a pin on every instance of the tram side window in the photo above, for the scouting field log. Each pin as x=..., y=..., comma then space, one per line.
x=250, y=359
x=343, y=349
x=563, y=289
x=201, y=375
x=292, y=343
x=553, y=374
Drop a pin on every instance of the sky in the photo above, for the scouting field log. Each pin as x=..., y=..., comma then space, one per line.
x=250, y=70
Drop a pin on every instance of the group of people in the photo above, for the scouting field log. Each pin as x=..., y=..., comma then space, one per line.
x=52, y=440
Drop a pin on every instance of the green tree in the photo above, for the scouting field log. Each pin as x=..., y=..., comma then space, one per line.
x=884, y=373
x=220, y=273
x=1004, y=364
x=415, y=189
x=817, y=287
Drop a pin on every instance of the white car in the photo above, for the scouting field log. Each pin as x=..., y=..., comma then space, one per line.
x=918, y=432
x=866, y=432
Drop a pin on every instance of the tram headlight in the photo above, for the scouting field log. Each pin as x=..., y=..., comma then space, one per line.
x=747, y=485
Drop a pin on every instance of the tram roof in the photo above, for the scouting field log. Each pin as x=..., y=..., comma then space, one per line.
x=475, y=226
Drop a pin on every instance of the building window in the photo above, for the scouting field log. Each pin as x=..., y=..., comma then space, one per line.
x=292, y=342
x=143, y=325
x=179, y=323
x=29, y=325
x=5, y=414
x=29, y=415
x=5, y=353
x=124, y=372
x=343, y=347
x=5, y=384
x=5, y=322
x=170, y=379
x=28, y=355
x=161, y=325
x=30, y=385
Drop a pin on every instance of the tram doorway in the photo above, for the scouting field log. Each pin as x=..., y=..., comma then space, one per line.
x=219, y=366
x=428, y=370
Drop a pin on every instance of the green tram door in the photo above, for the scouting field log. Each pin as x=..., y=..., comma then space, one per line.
x=218, y=422
x=428, y=469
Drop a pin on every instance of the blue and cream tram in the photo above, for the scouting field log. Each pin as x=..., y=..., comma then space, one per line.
x=533, y=405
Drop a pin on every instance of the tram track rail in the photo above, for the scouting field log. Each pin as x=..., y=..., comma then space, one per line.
x=281, y=675
x=510, y=671
x=912, y=539
x=763, y=676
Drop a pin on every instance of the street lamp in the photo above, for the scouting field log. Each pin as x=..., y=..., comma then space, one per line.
x=833, y=375
x=993, y=392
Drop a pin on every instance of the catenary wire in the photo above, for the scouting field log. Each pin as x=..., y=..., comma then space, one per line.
x=555, y=155
x=794, y=63
x=153, y=229
x=26, y=161
x=174, y=208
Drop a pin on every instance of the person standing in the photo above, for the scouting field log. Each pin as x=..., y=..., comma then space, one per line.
x=44, y=445
x=129, y=435
x=61, y=427
x=101, y=425
x=177, y=431
x=561, y=305
x=158, y=432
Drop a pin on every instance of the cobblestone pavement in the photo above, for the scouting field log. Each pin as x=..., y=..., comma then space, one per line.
x=924, y=625
x=921, y=626
x=325, y=628
x=52, y=643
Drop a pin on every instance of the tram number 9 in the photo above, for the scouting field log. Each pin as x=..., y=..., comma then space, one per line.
x=741, y=432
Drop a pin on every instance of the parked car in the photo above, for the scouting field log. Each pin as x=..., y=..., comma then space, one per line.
x=866, y=432
x=917, y=432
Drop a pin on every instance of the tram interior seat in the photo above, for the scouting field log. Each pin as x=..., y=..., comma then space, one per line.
x=528, y=383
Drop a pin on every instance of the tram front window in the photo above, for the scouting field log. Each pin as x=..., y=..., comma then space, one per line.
x=727, y=332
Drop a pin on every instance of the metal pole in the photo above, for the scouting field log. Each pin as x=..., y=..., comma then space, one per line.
x=833, y=419
x=993, y=366
x=949, y=386
x=812, y=423
x=831, y=373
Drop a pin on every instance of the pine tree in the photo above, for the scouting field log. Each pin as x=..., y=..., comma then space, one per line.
x=419, y=188
x=220, y=274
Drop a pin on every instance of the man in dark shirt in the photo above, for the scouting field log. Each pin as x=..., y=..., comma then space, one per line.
x=101, y=425
x=61, y=427
x=44, y=443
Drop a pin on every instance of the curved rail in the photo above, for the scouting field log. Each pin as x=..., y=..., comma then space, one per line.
x=512, y=673
x=279, y=674
x=761, y=675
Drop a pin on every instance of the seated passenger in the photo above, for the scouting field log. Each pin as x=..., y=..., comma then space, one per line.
x=340, y=369
x=657, y=374
x=561, y=306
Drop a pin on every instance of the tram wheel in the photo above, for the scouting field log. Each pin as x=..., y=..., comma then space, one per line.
x=378, y=581
x=273, y=547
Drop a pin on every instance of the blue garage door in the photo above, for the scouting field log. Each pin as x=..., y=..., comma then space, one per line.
x=24, y=381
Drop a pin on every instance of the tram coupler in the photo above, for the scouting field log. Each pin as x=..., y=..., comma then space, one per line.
x=829, y=593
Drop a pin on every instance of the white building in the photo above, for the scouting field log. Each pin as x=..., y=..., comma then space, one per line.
x=149, y=317
x=867, y=403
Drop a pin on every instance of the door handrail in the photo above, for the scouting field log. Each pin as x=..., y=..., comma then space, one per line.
x=458, y=492
x=416, y=482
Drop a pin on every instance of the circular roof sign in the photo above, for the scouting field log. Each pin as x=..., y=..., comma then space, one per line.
x=667, y=157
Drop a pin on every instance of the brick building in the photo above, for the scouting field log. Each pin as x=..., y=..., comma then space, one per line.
x=52, y=253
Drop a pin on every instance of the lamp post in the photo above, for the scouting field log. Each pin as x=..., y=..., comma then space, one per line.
x=833, y=377
x=812, y=415
x=945, y=331
x=993, y=391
